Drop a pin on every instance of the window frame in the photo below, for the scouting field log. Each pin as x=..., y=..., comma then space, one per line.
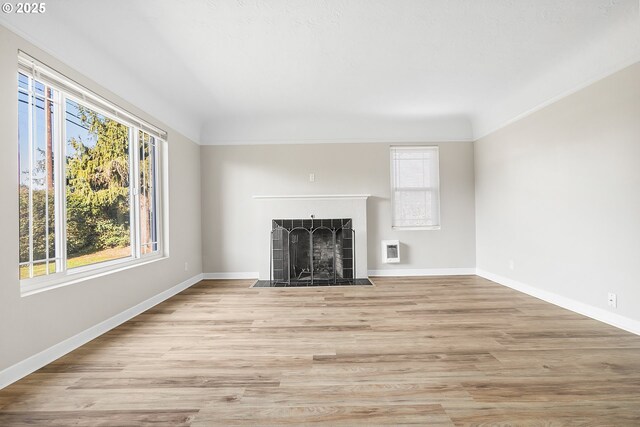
x=435, y=190
x=67, y=89
x=31, y=93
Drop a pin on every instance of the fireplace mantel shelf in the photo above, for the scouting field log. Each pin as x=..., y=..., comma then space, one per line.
x=313, y=196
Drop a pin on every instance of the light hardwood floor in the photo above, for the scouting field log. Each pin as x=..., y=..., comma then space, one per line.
x=426, y=351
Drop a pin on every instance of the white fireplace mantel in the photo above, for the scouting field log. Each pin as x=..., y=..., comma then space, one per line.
x=313, y=196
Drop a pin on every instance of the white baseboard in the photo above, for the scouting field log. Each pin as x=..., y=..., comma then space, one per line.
x=588, y=310
x=388, y=273
x=423, y=272
x=37, y=361
x=229, y=276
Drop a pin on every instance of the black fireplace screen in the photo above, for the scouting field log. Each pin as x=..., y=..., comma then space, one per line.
x=312, y=251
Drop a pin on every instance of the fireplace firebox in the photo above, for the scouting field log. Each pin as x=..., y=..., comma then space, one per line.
x=312, y=252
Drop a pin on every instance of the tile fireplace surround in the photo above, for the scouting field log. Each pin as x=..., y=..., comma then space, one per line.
x=316, y=250
x=267, y=208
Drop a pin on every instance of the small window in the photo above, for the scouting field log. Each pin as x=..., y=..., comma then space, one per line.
x=89, y=187
x=415, y=188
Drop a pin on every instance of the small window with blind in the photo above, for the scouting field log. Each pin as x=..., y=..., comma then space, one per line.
x=415, y=188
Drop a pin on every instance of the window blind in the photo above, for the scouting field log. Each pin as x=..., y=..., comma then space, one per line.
x=415, y=187
x=32, y=67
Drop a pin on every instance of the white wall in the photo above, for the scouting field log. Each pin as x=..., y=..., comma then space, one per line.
x=33, y=323
x=333, y=128
x=231, y=175
x=558, y=192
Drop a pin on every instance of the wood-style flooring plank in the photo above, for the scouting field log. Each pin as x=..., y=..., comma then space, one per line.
x=91, y=418
x=408, y=351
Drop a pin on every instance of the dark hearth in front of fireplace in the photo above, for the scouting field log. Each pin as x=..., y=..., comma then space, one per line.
x=273, y=284
x=312, y=252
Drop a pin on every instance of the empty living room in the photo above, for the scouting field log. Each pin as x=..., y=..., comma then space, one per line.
x=320, y=212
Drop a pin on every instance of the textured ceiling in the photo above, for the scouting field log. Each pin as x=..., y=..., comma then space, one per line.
x=338, y=70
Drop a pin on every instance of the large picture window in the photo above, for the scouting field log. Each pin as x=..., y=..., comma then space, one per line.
x=415, y=187
x=89, y=184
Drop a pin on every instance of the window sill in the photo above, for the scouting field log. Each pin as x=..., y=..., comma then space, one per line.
x=431, y=227
x=27, y=289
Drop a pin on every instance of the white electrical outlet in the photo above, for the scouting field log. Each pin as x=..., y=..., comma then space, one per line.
x=612, y=300
x=186, y=266
x=512, y=265
x=312, y=177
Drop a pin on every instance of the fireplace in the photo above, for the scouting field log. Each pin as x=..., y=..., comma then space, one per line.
x=312, y=252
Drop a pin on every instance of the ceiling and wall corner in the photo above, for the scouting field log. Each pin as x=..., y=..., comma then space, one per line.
x=237, y=72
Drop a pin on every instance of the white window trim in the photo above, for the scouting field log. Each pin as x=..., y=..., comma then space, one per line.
x=393, y=189
x=85, y=97
x=34, y=286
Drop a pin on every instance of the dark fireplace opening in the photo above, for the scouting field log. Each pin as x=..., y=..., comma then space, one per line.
x=312, y=252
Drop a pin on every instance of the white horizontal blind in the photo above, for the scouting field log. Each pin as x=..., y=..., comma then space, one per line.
x=43, y=73
x=415, y=187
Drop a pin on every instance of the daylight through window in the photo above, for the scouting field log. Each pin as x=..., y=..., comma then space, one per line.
x=89, y=193
x=415, y=187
